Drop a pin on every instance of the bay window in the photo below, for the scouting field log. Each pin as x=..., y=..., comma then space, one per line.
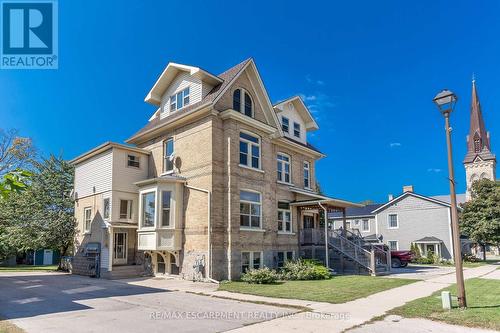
x=165, y=207
x=148, y=209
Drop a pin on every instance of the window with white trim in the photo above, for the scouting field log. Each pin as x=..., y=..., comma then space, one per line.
x=87, y=218
x=250, y=210
x=283, y=163
x=365, y=225
x=148, y=209
x=168, y=155
x=307, y=174
x=285, y=124
x=284, y=256
x=296, y=130
x=126, y=209
x=250, y=260
x=165, y=208
x=393, y=245
x=249, y=150
x=392, y=220
x=242, y=98
x=179, y=100
x=284, y=217
x=133, y=161
x=106, y=208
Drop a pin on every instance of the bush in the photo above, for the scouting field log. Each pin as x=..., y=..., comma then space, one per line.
x=260, y=276
x=304, y=270
x=469, y=257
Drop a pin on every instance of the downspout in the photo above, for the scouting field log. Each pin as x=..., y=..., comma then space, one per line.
x=229, y=229
x=327, y=259
x=209, y=230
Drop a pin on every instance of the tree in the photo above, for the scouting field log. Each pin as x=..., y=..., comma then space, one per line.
x=480, y=217
x=16, y=152
x=14, y=181
x=42, y=215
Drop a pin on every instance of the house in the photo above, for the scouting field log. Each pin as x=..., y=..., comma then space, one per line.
x=218, y=180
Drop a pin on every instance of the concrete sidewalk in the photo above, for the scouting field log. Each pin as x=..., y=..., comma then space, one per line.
x=326, y=317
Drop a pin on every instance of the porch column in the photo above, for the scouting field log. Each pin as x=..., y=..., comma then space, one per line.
x=327, y=261
x=344, y=222
x=111, y=248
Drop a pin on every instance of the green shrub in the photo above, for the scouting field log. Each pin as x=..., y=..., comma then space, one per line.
x=304, y=270
x=469, y=257
x=260, y=276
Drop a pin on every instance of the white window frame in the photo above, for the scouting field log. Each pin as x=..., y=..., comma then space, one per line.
x=250, y=227
x=108, y=199
x=283, y=221
x=141, y=212
x=250, y=144
x=136, y=159
x=389, y=221
x=129, y=210
x=287, y=125
x=362, y=225
x=389, y=245
x=170, y=220
x=251, y=259
x=173, y=105
x=282, y=172
x=307, y=167
x=87, y=221
x=294, y=130
x=165, y=157
x=284, y=257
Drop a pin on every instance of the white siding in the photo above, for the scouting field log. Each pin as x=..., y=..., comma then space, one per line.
x=124, y=176
x=182, y=81
x=289, y=111
x=94, y=172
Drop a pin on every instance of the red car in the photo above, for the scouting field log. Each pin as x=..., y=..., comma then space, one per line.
x=400, y=258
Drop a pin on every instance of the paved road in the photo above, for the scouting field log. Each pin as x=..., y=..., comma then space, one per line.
x=52, y=302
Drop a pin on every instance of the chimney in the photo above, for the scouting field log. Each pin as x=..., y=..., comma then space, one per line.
x=407, y=188
x=390, y=197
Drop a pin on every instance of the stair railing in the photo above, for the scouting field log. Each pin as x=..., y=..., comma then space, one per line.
x=359, y=254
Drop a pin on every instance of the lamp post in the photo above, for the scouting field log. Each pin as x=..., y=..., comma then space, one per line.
x=445, y=101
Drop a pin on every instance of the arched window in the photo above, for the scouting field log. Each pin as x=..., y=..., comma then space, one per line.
x=477, y=144
x=242, y=98
x=237, y=100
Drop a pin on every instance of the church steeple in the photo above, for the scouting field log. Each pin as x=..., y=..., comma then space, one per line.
x=479, y=161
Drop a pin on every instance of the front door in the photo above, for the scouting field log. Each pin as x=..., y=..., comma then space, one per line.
x=120, y=248
x=308, y=229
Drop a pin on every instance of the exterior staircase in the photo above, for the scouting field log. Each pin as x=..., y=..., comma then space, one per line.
x=355, y=255
x=124, y=272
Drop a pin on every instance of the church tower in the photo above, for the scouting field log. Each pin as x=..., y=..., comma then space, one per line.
x=479, y=161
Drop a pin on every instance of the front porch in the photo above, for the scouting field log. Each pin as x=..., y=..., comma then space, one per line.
x=430, y=246
x=338, y=249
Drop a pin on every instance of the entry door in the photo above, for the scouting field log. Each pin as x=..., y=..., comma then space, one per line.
x=308, y=227
x=47, y=257
x=120, y=248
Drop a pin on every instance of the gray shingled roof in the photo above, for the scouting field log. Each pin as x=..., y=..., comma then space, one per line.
x=227, y=76
x=446, y=198
x=356, y=211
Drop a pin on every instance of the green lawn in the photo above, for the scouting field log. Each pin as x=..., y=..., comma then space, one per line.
x=483, y=301
x=339, y=289
x=28, y=268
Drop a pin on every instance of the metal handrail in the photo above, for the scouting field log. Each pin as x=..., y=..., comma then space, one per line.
x=357, y=250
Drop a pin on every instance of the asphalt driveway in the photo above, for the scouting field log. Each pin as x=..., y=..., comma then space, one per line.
x=52, y=302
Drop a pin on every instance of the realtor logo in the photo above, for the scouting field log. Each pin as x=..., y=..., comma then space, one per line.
x=29, y=34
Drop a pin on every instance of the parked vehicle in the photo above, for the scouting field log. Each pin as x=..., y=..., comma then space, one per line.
x=400, y=258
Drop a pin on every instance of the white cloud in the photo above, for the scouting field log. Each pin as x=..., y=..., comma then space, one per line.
x=314, y=81
x=435, y=170
x=395, y=144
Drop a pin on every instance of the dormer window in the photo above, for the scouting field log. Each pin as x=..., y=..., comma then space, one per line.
x=285, y=124
x=242, y=98
x=296, y=130
x=179, y=100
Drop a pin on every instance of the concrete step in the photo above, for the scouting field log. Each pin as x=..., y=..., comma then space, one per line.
x=125, y=271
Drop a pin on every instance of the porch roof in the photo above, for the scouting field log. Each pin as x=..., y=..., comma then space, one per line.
x=162, y=179
x=329, y=203
x=428, y=239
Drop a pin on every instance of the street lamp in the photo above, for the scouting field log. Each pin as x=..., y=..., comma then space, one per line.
x=445, y=101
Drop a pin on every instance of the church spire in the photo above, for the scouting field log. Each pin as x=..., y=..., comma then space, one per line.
x=478, y=140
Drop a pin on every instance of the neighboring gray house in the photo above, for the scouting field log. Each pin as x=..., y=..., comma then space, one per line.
x=408, y=219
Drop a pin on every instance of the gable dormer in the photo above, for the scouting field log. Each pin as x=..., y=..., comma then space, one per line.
x=295, y=119
x=180, y=86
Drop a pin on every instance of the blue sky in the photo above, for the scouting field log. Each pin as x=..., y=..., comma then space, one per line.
x=367, y=69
